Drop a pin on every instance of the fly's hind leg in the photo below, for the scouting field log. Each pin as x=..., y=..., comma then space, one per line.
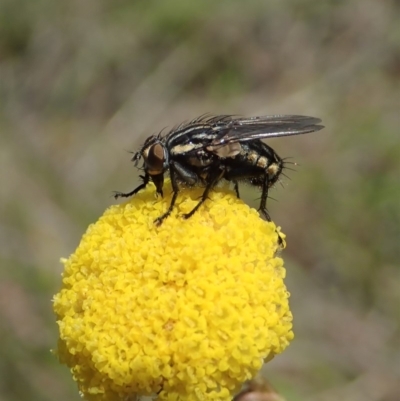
x=263, y=208
x=264, y=196
x=256, y=177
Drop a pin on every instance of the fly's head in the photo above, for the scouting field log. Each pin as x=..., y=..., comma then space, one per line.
x=155, y=157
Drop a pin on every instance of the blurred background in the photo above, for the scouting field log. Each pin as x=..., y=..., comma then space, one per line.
x=84, y=82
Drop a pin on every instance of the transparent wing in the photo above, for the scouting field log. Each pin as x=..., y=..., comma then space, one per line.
x=248, y=129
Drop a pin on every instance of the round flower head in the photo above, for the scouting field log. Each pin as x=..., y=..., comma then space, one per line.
x=185, y=311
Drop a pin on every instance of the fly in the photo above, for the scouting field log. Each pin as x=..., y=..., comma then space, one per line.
x=210, y=149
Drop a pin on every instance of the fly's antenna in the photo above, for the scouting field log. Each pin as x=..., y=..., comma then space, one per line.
x=136, y=157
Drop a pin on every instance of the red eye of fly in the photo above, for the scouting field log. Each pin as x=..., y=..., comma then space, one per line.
x=155, y=159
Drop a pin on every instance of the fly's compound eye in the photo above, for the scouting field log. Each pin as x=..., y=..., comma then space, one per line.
x=155, y=158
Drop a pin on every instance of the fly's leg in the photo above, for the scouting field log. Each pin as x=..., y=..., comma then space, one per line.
x=264, y=196
x=175, y=189
x=263, y=207
x=177, y=170
x=212, y=181
x=236, y=188
x=145, y=178
x=257, y=177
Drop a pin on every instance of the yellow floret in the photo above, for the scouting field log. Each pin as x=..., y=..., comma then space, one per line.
x=188, y=310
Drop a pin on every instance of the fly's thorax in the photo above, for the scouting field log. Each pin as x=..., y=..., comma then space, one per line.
x=201, y=159
x=192, y=154
x=185, y=148
x=228, y=150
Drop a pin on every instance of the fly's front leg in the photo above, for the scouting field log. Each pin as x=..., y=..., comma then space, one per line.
x=145, y=178
x=211, y=182
x=175, y=189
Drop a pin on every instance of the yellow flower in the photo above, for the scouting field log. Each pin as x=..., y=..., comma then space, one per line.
x=188, y=310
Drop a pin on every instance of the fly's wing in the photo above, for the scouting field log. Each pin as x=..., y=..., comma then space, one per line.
x=248, y=129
